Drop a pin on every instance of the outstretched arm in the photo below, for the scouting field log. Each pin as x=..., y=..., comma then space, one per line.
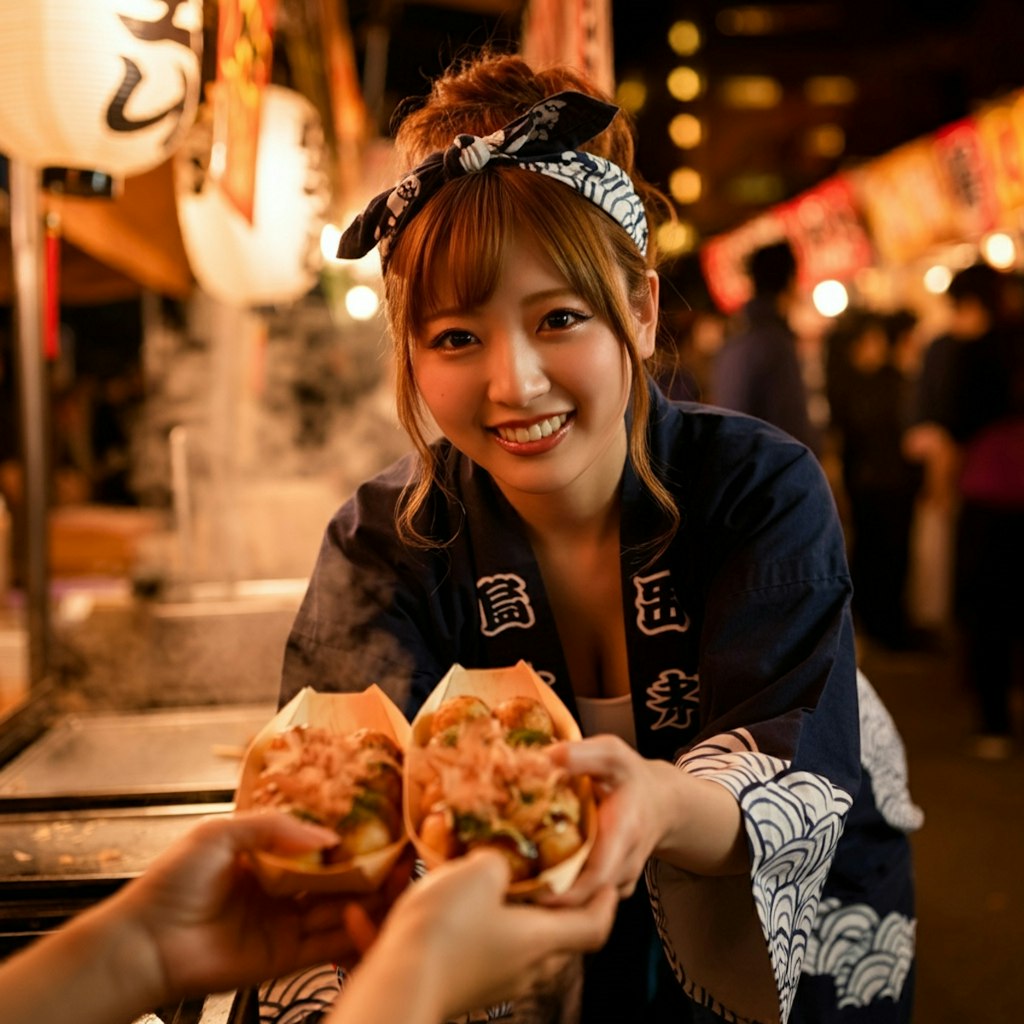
x=452, y=944
x=655, y=813
x=196, y=921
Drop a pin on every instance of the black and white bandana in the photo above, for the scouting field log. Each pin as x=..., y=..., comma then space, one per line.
x=544, y=139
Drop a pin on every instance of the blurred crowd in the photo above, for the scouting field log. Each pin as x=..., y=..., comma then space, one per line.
x=922, y=436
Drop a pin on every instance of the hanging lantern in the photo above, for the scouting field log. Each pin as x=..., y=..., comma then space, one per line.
x=275, y=259
x=108, y=85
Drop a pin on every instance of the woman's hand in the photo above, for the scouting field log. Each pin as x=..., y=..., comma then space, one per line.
x=452, y=943
x=649, y=808
x=629, y=813
x=204, y=924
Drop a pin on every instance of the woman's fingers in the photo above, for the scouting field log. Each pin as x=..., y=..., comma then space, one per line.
x=607, y=759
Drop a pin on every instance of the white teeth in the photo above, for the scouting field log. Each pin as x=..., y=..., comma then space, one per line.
x=535, y=432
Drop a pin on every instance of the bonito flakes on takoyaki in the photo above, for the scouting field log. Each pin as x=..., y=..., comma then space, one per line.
x=350, y=782
x=486, y=779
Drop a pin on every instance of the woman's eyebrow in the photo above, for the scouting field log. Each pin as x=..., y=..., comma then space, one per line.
x=543, y=295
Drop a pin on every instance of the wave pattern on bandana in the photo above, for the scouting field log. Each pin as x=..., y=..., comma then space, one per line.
x=543, y=140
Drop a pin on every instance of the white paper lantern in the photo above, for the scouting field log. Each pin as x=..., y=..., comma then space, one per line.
x=108, y=85
x=276, y=259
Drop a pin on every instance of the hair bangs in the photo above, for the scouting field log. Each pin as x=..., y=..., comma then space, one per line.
x=453, y=253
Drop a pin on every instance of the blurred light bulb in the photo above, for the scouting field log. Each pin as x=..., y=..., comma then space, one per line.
x=685, y=131
x=684, y=38
x=631, y=95
x=676, y=237
x=999, y=250
x=684, y=83
x=937, y=278
x=330, y=236
x=830, y=297
x=750, y=92
x=684, y=184
x=361, y=302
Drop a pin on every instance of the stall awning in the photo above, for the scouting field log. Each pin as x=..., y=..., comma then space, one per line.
x=114, y=248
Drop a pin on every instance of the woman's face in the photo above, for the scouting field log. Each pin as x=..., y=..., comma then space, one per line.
x=531, y=385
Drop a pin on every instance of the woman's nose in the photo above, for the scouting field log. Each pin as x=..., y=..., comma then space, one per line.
x=517, y=373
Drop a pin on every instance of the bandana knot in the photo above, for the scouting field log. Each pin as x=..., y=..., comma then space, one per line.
x=544, y=140
x=473, y=152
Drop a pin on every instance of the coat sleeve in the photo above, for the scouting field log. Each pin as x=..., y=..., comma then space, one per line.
x=780, y=730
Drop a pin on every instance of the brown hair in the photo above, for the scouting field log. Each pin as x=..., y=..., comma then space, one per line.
x=467, y=225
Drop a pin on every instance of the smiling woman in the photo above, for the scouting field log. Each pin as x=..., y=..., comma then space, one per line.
x=682, y=559
x=524, y=382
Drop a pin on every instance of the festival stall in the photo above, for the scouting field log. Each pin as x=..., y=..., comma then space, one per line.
x=877, y=227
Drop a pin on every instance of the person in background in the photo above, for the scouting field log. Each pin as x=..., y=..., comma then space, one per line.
x=675, y=572
x=197, y=922
x=869, y=402
x=983, y=416
x=757, y=370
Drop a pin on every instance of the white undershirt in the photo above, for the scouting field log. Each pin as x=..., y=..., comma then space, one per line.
x=608, y=715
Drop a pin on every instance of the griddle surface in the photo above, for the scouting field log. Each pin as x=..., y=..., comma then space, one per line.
x=144, y=754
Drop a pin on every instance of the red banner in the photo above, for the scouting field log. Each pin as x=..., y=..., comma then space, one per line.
x=969, y=176
x=822, y=225
x=244, y=57
x=825, y=229
x=953, y=185
x=723, y=259
x=906, y=200
x=573, y=32
x=1001, y=134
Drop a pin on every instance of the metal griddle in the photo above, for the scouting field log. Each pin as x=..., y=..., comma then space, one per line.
x=91, y=801
x=126, y=759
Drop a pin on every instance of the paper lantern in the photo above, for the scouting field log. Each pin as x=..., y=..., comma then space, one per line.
x=109, y=85
x=275, y=259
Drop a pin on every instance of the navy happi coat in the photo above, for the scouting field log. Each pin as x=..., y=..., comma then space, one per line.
x=741, y=654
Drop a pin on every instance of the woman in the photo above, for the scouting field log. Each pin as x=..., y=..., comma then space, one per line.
x=675, y=572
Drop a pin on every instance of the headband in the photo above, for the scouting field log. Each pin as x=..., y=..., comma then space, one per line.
x=544, y=140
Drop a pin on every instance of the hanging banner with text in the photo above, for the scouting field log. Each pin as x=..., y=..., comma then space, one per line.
x=954, y=185
x=244, y=58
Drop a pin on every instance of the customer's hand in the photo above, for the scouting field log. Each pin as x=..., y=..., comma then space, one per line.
x=453, y=943
x=203, y=923
x=197, y=921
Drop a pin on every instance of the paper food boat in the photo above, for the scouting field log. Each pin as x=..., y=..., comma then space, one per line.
x=341, y=713
x=493, y=686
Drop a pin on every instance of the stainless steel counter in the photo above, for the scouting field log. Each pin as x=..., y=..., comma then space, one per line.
x=112, y=758
x=93, y=799
x=122, y=749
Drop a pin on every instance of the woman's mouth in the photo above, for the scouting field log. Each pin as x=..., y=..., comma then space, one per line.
x=536, y=431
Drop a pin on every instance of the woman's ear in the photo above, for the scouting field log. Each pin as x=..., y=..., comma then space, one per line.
x=646, y=312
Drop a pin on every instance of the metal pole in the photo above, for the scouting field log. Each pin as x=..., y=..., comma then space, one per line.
x=33, y=394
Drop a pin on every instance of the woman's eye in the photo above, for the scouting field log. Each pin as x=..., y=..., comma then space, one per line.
x=453, y=340
x=560, y=319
